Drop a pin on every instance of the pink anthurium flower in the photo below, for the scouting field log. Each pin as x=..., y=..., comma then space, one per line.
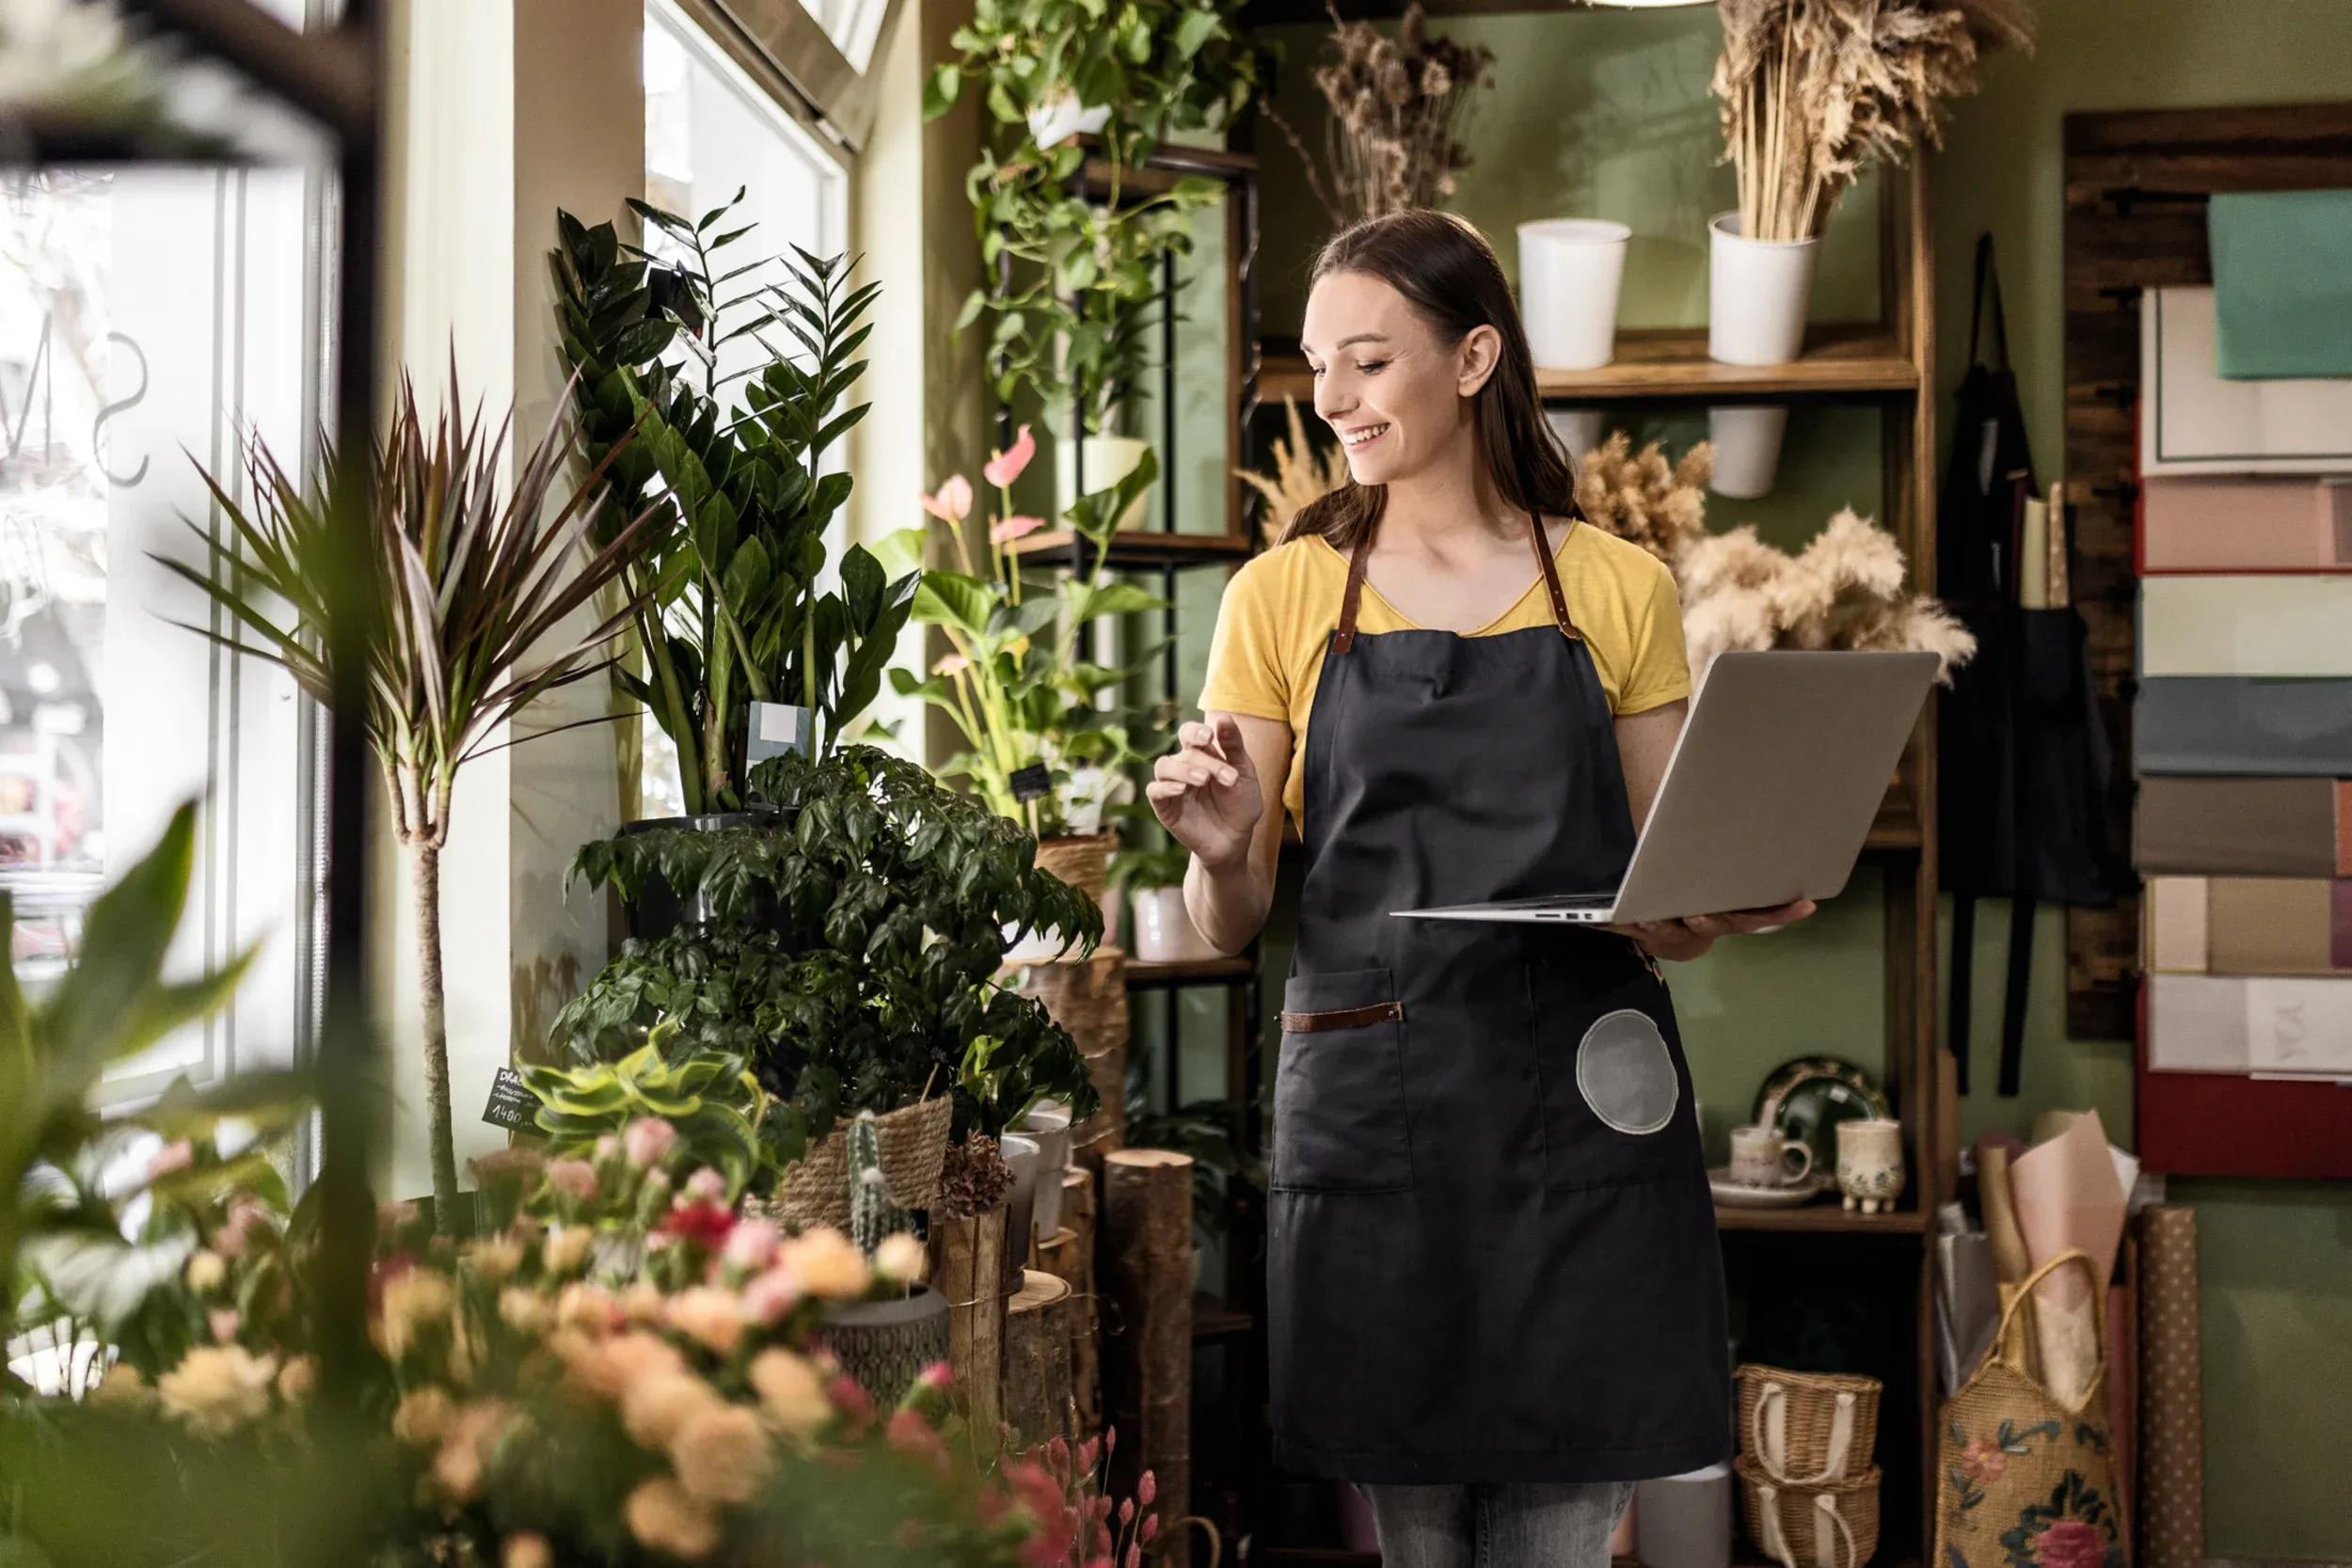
x=951, y=664
x=1014, y=528
x=953, y=503
x=1006, y=467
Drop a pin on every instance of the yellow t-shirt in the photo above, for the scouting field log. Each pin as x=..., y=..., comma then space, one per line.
x=1280, y=608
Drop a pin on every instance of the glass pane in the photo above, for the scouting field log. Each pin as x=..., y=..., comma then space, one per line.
x=146, y=317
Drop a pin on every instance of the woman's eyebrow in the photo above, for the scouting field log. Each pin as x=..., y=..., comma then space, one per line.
x=1345, y=343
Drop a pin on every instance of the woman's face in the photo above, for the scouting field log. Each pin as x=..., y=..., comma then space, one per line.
x=1397, y=396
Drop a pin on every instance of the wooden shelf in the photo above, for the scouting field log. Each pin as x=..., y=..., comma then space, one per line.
x=1213, y=1319
x=1188, y=971
x=1823, y=1216
x=1140, y=547
x=1840, y=364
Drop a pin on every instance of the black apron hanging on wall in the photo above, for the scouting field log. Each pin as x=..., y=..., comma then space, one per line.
x=2022, y=761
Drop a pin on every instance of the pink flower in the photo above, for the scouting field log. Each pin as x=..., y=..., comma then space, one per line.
x=222, y=1321
x=1006, y=467
x=707, y=1186
x=937, y=1378
x=171, y=1157
x=1983, y=1461
x=953, y=503
x=702, y=1222
x=752, y=1245
x=1147, y=1489
x=2071, y=1544
x=1014, y=528
x=951, y=664
x=768, y=1298
x=849, y=1398
x=573, y=1179
x=646, y=1140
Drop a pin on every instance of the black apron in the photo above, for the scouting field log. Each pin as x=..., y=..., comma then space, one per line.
x=1492, y=1253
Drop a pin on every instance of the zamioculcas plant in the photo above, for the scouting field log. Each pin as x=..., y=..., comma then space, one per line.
x=471, y=586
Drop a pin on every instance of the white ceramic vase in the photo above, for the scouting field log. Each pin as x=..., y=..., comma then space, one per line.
x=1870, y=1163
x=1570, y=273
x=1759, y=292
x=1048, y=1123
x=1164, y=929
x=1106, y=460
x=1580, y=429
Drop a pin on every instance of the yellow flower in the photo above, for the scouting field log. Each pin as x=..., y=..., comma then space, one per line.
x=566, y=1247
x=827, y=1264
x=611, y=1368
x=527, y=1549
x=122, y=1389
x=664, y=1515
x=466, y=1449
x=790, y=1391
x=295, y=1382
x=584, y=1306
x=722, y=1456
x=900, y=1258
x=423, y=1417
x=206, y=1271
x=496, y=1259
x=643, y=1302
x=418, y=1300
x=710, y=1316
x=657, y=1409
x=525, y=1310
x=218, y=1389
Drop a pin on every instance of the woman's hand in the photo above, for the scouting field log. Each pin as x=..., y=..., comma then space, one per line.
x=1206, y=792
x=1678, y=940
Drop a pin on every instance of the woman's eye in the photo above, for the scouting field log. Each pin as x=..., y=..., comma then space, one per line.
x=1372, y=366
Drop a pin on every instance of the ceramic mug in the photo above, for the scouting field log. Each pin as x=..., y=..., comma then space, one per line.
x=1760, y=1158
x=1870, y=1163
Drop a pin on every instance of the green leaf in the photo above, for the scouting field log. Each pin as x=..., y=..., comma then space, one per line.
x=941, y=88
x=1195, y=29
x=951, y=598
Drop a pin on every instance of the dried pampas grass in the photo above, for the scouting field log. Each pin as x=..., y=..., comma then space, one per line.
x=1812, y=92
x=1658, y=505
x=1395, y=105
x=1302, y=475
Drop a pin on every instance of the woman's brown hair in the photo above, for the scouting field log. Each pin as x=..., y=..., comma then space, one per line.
x=1448, y=273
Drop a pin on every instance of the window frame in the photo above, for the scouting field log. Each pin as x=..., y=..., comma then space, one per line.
x=786, y=51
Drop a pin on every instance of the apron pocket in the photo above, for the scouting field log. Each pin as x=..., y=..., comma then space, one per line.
x=1626, y=1073
x=1338, y=1094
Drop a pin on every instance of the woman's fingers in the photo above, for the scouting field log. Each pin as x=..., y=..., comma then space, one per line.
x=1193, y=765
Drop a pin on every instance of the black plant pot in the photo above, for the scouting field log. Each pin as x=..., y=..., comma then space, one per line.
x=659, y=909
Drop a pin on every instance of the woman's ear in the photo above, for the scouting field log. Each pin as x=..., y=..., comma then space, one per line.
x=1480, y=350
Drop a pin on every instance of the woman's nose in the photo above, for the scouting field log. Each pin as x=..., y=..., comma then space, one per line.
x=1332, y=400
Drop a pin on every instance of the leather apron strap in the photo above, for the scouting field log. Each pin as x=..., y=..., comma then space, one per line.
x=1360, y=556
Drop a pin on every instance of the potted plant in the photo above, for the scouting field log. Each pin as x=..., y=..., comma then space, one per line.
x=1077, y=257
x=743, y=651
x=1041, y=749
x=466, y=592
x=886, y=1340
x=1153, y=881
x=706, y=1102
x=1811, y=96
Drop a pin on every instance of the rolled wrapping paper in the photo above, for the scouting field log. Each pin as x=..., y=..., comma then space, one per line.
x=2066, y=1197
x=2009, y=1250
x=2171, y=1474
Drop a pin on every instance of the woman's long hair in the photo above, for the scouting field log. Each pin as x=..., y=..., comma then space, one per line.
x=1448, y=273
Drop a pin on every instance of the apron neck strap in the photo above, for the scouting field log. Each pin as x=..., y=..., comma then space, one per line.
x=1360, y=555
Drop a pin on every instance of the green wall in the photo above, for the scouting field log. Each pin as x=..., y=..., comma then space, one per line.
x=1605, y=114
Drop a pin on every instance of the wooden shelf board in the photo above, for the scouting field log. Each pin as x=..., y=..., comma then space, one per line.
x=1823, y=1217
x=1213, y=1319
x=1188, y=971
x=1839, y=363
x=1142, y=547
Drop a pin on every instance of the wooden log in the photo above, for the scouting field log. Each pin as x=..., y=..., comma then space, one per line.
x=1078, y=1209
x=1145, y=1266
x=967, y=1265
x=1036, y=1360
x=1089, y=998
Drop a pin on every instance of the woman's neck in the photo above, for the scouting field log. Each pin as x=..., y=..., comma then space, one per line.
x=1448, y=504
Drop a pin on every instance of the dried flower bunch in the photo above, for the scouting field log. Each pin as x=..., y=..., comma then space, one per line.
x=1302, y=473
x=1813, y=91
x=1844, y=590
x=1396, y=105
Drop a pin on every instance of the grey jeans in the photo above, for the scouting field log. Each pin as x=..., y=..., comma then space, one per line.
x=1520, y=1526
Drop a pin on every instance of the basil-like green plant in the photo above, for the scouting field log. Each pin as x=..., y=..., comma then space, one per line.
x=730, y=611
x=1080, y=272
x=708, y=1098
x=893, y=893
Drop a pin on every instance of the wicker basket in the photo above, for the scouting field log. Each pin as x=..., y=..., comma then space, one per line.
x=913, y=1142
x=1807, y=1428
x=1810, y=1527
x=1082, y=859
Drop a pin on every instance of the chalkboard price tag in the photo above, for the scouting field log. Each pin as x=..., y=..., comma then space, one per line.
x=512, y=1105
x=1030, y=783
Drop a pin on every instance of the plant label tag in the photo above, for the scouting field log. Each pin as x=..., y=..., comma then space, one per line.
x=1030, y=783
x=512, y=1105
x=777, y=728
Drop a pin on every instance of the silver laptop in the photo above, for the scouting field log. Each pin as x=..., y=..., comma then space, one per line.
x=1772, y=788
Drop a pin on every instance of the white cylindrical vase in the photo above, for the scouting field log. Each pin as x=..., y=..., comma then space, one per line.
x=1098, y=463
x=1747, y=449
x=1757, y=293
x=1164, y=930
x=1570, y=273
x=1047, y=1124
x=1580, y=429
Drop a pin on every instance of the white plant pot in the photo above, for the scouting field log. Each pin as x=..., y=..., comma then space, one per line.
x=1048, y=1123
x=1164, y=930
x=1020, y=1154
x=1083, y=798
x=1747, y=449
x=1108, y=459
x=1757, y=292
x=1580, y=429
x=1570, y=271
x=1033, y=946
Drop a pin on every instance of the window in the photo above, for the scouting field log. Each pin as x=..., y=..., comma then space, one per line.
x=148, y=315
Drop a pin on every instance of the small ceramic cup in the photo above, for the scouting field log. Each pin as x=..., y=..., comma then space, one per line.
x=1760, y=1158
x=1870, y=1163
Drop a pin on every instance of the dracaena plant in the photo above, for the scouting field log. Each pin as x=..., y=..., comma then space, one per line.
x=1076, y=265
x=895, y=894
x=481, y=595
x=731, y=611
x=1031, y=708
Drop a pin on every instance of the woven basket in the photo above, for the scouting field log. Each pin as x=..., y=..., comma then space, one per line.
x=913, y=1142
x=1810, y=1527
x=1082, y=859
x=1807, y=1428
